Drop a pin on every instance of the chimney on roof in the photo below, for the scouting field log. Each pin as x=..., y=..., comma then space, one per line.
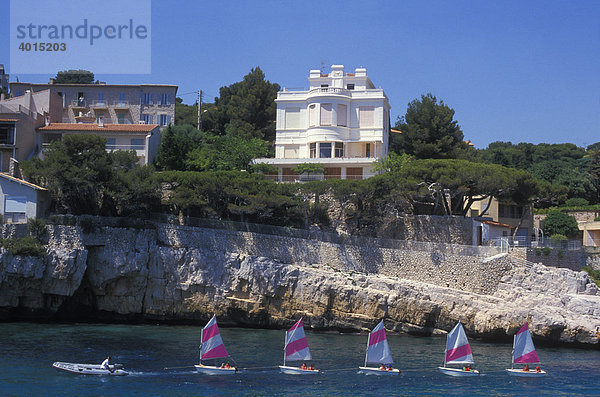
x=47, y=120
x=13, y=168
x=101, y=121
x=51, y=81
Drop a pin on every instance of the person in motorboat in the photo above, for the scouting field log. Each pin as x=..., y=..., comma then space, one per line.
x=304, y=367
x=526, y=368
x=106, y=365
x=382, y=367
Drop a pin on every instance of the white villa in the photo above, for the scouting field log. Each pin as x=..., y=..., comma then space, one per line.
x=341, y=122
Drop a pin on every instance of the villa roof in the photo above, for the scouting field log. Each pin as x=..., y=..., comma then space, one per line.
x=96, y=128
x=21, y=181
x=494, y=223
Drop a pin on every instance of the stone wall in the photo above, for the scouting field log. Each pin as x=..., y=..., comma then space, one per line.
x=573, y=260
x=433, y=228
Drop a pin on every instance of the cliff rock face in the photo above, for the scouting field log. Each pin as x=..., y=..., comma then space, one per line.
x=185, y=274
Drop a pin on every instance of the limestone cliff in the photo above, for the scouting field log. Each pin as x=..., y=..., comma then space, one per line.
x=186, y=274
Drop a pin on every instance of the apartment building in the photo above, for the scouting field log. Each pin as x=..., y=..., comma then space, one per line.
x=3, y=82
x=114, y=103
x=341, y=123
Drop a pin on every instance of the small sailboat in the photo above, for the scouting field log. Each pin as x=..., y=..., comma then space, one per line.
x=524, y=353
x=212, y=348
x=378, y=351
x=458, y=351
x=296, y=349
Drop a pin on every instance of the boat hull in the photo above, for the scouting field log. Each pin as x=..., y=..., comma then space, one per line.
x=378, y=372
x=526, y=374
x=214, y=370
x=297, y=370
x=90, y=369
x=458, y=371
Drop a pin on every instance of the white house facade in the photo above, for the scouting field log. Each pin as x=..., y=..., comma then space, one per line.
x=341, y=123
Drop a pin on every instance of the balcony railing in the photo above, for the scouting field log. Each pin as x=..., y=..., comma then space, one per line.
x=309, y=178
x=99, y=104
x=121, y=104
x=330, y=90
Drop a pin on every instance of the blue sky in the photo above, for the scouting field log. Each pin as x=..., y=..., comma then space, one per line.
x=520, y=71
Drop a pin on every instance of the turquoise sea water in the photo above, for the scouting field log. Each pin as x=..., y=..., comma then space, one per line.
x=27, y=352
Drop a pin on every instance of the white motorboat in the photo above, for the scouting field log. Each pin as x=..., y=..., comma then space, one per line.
x=212, y=347
x=524, y=353
x=458, y=351
x=90, y=369
x=378, y=351
x=296, y=349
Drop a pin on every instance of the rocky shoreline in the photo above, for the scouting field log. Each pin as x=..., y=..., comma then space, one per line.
x=181, y=275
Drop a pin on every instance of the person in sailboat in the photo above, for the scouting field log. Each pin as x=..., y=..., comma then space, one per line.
x=312, y=367
x=106, y=365
x=304, y=366
x=389, y=368
x=526, y=368
x=538, y=369
x=468, y=368
x=382, y=367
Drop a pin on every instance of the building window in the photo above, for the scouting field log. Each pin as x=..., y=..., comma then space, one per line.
x=98, y=115
x=146, y=118
x=137, y=144
x=349, y=86
x=366, y=116
x=313, y=150
x=165, y=99
x=121, y=98
x=312, y=115
x=111, y=144
x=80, y=99
x=324, y=85
x=292, y=118
x=15, y=208
x=326, y=114
x=147, y=99
x=164, y=119
x=367, y=150
x=341, y=115
x=325, y=150
x=7, y=134
x=100, y=98
x=121, y=118
x=339, y=149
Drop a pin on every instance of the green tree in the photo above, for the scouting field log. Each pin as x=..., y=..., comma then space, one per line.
x=225, y=153
x=186, y=114
x=72, y=76
x=429, y=130
x=175, y=143
x=246, y=108
x=557, y=222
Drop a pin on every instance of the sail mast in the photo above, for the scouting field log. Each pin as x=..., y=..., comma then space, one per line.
x=367, y=350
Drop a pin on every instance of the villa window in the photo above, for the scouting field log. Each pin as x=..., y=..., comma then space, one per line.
x=339, y=149
x=98, y=115
x=292, y=118
x=165, y=99
x=120, y=118
x=312, y=115
x=325, y=150
x=313, y=150
x=326, y=114
x=366, y=116
x=164, y=119
x=324, y=85
x=137, y=144
x=147, y=99
x=349, y=86
x=100, y=98
x=146, y=118
x=341, y=115
x=367, y=150
x=111, y=144
x=121, y=98
x=7, y=134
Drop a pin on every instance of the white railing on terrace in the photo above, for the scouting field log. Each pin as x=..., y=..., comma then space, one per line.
x=121, y=104
x=309, y=178
x=330, y=90
x=99, y=104
x=529, y=242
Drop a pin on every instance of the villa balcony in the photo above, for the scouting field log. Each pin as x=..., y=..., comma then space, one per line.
x=329, y=91
x=99, y=104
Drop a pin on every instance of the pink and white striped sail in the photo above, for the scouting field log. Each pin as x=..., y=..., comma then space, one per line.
x=212, y=344
x=523, y=348
x=296, y=346
x=378, y=350
x=458, y=350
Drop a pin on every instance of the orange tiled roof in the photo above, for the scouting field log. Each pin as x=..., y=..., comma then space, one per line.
x=494, y=223
x=9, y=120
x=395, y=131
x=97, y=128
x=21, y=181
